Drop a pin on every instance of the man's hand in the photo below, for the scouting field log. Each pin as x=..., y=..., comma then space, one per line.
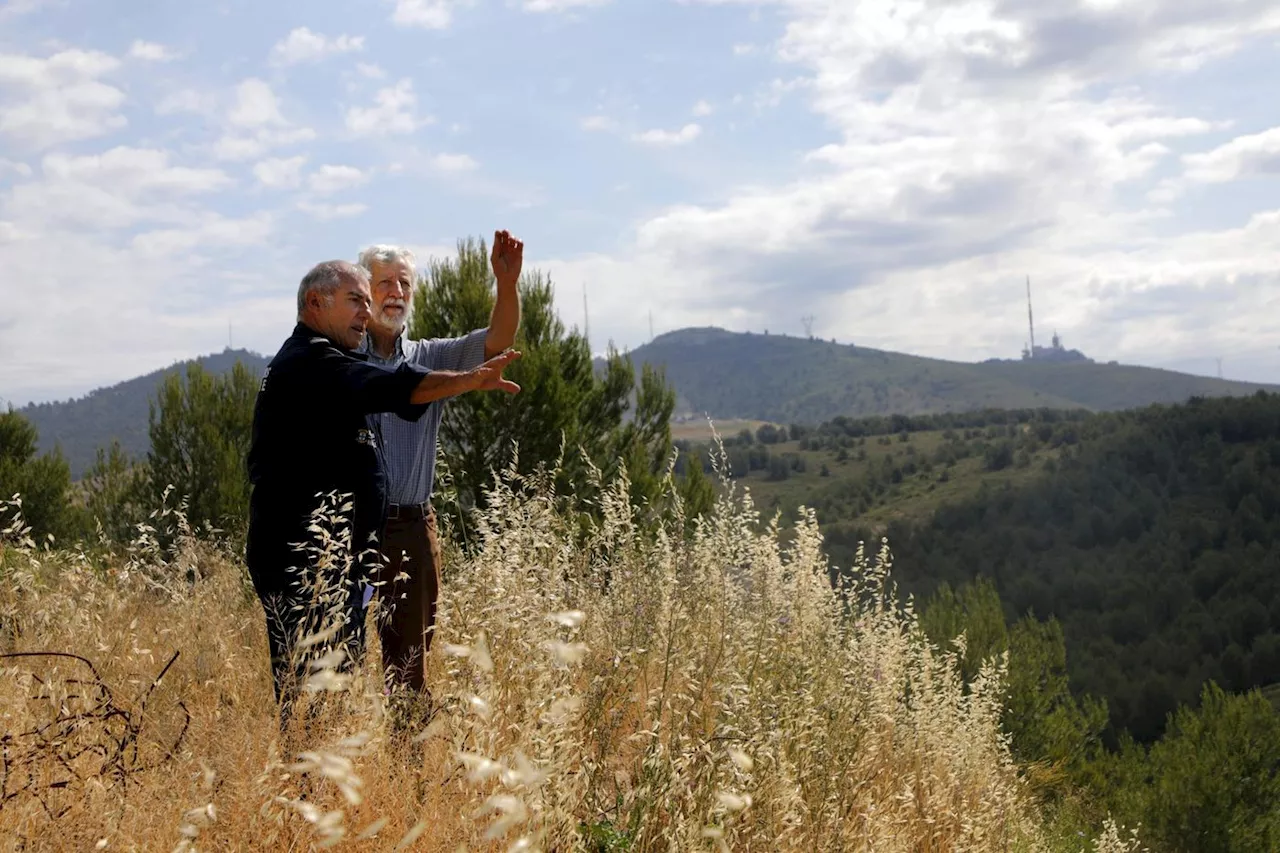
x=507, y=257
x=488, y=376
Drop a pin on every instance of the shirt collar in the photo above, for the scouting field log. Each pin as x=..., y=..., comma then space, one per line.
x=305, y=332
x=366, y=345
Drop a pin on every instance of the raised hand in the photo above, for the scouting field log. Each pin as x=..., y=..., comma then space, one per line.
x=488, y=376
x=507, y=257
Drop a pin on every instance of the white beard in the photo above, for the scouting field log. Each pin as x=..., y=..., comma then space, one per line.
x=392, y=322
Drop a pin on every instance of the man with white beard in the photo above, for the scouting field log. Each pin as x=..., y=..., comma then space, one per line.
x=409, y=541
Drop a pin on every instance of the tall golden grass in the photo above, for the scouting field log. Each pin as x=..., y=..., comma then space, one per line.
x=621, y=686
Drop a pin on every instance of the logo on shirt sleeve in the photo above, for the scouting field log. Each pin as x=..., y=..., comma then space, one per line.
x=365, y=436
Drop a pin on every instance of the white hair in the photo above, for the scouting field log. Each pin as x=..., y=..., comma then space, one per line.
x=386, y=254
x=325, y=278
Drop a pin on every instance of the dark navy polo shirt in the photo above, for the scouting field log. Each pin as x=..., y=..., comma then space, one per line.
x=310, y=438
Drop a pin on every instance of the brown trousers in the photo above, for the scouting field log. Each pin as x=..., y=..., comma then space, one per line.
x=407, y=619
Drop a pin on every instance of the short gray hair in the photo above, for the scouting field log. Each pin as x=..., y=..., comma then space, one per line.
x=325, y=278
x=383, y=253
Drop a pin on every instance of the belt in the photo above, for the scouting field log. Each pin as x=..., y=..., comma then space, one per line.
x=413, y=512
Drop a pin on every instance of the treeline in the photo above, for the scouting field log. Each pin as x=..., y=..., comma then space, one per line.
x=1154, y=538
x=1210, y=783
x=567, y=417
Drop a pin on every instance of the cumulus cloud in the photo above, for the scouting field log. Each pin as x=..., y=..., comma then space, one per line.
x=255, y=105
x=280, y=173
x=64, y=97
x=324, y=211
x=1253, y=155
x=256, y=125
x=972, y=144
x=393, y=111
x=667, y=138
x=426, y=14
x=147, y=247
x=303, y=45
x=454, y=163
x=330, y=179
x=598, y=123
x=559, y=5
x=149, y=51
x=968, y=137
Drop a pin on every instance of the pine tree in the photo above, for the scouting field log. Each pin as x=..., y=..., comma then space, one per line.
x=42, y=482
x=200, y=428
x=565, y=404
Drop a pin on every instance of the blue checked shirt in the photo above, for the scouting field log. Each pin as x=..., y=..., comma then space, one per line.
x=409, y=449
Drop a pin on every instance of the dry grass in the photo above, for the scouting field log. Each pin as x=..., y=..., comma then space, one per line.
x=618, y=690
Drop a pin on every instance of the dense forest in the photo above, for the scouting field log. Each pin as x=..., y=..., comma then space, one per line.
x=1153, y=536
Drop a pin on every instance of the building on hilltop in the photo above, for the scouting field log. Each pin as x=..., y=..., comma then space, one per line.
x=1054, y=353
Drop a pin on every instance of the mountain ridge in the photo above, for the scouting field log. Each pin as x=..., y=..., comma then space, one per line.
x=729, y=375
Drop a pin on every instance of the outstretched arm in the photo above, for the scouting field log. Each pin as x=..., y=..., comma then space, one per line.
x=507, y=258
x=439, y=384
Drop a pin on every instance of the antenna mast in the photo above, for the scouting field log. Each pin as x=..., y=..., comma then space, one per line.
x=1030, y=320
x=807, y=321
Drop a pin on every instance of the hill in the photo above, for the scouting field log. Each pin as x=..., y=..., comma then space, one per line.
x=1152, y=535
x=798, y=380
x=80, y=426
x=734, y=375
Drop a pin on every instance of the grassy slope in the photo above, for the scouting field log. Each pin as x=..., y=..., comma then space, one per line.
x=916, y=496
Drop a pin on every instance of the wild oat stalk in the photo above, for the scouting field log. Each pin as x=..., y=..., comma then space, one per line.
x=598, y=685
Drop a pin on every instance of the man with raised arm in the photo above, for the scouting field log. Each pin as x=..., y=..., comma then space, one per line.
x=311, y=442
x=411, y=551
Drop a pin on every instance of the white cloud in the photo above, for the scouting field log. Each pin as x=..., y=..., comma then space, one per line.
x=369, y=70
x=559, y=5
x=599, y=123
x=454, y=163
x=303, y=45
x=128, y=217
x=325, y=212
x=427, y=14
x=241, y=146
x=149, y=51
x=281, y=173
x=61, y=98
x=255, y=105
x=134, y=170
x=14, y=166
x=119, y=188
x=1245, y=156
x=659, y=137
x=330, y=179
x=256, y=124
x=702, y=109
x=210, y=230
x=187, y=101
x=972, y=144
x=16, y=8
x=392, y=112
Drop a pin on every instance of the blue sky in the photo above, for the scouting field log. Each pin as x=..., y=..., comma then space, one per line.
x=171, y=169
